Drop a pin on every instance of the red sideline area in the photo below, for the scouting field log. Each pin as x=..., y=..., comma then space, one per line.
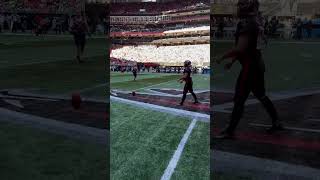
x=203, y=107
x=281, y=140
x=99, y=115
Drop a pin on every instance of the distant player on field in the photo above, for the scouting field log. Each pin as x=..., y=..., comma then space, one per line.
x=79, y=29
x=251, y=78
x=134, y=72
x=188, y=83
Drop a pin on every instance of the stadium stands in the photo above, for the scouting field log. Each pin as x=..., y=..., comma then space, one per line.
x=39, y=6
x=161, y=33
x=165, y=55
x=156, y=8
x=53, y=15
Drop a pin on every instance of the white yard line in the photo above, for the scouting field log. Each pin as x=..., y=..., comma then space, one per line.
x=153, y=92
x=28, y=98
x=148, y=87
x=314, y=120
x=177, y=154
x=274, y=97
x=91, y=88
x=177, y=112
x=71, y=59
x=288, y=128
x=277, y=42
x=36, y=62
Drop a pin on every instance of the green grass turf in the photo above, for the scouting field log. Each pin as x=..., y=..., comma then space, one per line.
x=289, y=66
x=127, y=76
x=143, y=142
x=143, y=83
x=200, y=82
x=97, y=92
x=48, y=63
x=196, y=155
x=155, y=80
x=37, y=155
x=7, y=39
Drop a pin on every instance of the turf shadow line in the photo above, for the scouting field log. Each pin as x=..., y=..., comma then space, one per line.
x=51, y=61
x=173, y=111
x=75, y=131
x=25, y=95
x=262, y=169
x=274, y=97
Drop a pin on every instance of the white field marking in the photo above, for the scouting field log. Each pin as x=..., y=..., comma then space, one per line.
x=113, y=93
x=221, y=110
x=35, y=62
x=49, y=35
x=177, y=154
x=220, y=90
x=277, y=42
x=89, y=88
x=71, y=59
x=51, y=97
x=144, y=93
x=173, y=89
x=229, y=105
x=172, y=95
x=153, y=92
x=13, y=102
x=315, y=120
x=273, y=97
x=28, y=98
x=148, y=87
x=4, y=62
x=177, y=112
x=288, y=128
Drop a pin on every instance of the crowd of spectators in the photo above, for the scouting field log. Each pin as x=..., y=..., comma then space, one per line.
x=180, y=27
x=274, y=27
x=45, y=23
x=42, y=17
x=156, y=8
x=156, y=69
x=40, y=6
x=142, y=28
x=170, y=55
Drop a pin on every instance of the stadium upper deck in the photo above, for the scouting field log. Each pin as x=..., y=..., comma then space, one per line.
x=158, y=15
x=307, y=8
x=156, y=8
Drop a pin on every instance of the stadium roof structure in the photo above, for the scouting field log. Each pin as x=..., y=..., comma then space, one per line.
x=268, y=7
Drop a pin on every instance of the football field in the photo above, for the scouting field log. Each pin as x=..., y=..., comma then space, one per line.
x=47, y=64
x=293, y=84
x=38, y=76
x=152, y=138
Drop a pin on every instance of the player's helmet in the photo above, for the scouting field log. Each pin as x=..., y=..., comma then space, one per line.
x=187, y=63
x=247, y=7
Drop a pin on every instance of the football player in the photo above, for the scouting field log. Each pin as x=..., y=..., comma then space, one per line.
x=188, y=83
x=134, y=72
x=251, y=77
x=79, y=29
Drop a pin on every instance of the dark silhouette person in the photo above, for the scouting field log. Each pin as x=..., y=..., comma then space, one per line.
x=251, y=78
x=188, y=83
